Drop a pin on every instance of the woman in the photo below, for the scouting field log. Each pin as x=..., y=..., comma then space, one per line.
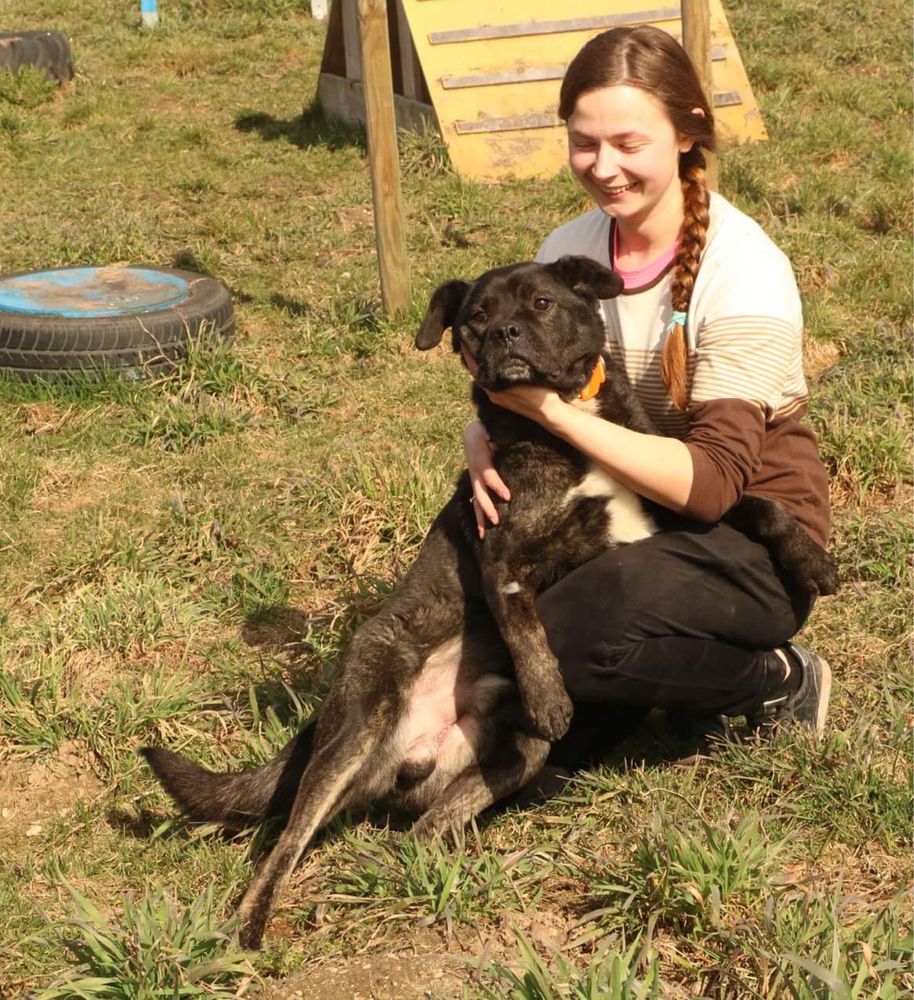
x=709, y=327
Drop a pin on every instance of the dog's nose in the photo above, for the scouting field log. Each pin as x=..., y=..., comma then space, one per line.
x=510, y=331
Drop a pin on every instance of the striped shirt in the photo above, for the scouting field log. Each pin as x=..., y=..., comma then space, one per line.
x=746, y=388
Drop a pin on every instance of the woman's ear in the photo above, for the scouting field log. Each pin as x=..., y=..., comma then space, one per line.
x=685, y=144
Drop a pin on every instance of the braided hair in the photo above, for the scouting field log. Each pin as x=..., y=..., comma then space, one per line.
x=651, y=59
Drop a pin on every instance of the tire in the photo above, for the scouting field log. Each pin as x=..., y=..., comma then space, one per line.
x=137, y=339
x=46, y=50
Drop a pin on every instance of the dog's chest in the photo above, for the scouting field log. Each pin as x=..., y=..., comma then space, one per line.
x=626, y=518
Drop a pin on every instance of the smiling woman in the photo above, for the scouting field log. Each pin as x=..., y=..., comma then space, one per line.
x=695, y=620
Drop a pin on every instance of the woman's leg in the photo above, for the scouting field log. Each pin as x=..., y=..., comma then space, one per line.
x=684, y=621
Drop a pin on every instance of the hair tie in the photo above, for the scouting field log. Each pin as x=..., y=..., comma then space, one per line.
x=677, y=319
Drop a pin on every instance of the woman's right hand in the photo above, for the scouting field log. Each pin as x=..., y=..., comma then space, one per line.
x=484, y=479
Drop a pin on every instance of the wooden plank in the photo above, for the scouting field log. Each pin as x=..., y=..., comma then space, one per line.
x=351, y=42
x=528, y=75
x=535, y=119
x=727, y=99
x=504, y=77
x=383, y=159
x=334, y=59
x=409, y=62
x=548, y=119
x=342, y=98
x=599, y=21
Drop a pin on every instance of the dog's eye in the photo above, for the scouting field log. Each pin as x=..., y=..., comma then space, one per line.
x=541, y=303
x=478, y=315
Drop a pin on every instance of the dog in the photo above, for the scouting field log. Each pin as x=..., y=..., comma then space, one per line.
x=448, y=699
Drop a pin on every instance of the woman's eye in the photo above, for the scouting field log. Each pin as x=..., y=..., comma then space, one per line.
x=541, y=302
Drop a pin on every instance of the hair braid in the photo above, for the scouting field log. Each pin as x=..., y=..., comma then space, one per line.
x=675, y=352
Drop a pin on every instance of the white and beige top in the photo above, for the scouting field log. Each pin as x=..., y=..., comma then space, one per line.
x=746, y=387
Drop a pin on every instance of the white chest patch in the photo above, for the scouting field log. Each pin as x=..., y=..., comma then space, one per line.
x=628, y=519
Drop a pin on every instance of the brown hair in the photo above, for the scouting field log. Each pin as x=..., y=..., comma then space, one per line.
x=654, y=61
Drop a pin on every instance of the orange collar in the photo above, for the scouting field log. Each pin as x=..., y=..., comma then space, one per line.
x=596, y=380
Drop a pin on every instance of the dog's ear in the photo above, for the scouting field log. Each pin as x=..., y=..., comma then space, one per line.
x=441, y=313
x=585, y=275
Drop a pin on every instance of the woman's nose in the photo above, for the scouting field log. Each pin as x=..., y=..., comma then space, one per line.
x=605, y=162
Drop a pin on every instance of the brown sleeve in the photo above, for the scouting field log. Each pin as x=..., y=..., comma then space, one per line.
x=725, y=439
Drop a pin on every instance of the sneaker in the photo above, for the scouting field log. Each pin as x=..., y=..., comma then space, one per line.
x=808, y=704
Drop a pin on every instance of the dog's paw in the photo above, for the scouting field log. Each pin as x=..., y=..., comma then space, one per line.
x=548, y=713
x=822, y=575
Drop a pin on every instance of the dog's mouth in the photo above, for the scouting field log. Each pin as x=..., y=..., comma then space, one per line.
x=507, y=372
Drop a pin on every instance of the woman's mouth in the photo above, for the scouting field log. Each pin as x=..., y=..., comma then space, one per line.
x=617, y=189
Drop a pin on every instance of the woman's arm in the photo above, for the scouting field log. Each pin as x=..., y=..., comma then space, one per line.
x=659, y=468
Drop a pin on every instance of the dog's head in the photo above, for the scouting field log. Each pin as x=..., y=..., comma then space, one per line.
x=526, y=324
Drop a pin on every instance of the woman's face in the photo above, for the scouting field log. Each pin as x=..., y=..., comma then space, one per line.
x=623, y=149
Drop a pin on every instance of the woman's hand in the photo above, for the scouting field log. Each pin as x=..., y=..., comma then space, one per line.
x=479, y=450
x=534, y=402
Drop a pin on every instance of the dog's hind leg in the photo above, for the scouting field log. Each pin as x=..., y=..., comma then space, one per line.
x=326, y=787
x=514, y=763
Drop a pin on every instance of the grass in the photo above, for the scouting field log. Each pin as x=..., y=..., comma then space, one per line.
x=184, y=557
x=156, y=949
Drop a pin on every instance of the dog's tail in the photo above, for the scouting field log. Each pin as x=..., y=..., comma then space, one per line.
x=233, y=799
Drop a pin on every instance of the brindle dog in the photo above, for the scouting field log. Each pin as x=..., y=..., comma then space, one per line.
x=448, y=698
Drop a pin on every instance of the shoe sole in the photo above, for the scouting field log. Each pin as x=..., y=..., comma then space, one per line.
x=824, y=696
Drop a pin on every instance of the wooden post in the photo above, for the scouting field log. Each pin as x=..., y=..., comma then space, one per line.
x=384, y=163
x=696, y=40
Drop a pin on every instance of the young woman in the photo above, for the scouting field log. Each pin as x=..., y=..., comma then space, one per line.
x=709, y=327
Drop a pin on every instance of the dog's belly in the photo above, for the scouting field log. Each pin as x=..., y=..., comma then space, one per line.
x=446, y=726
x=628, y=521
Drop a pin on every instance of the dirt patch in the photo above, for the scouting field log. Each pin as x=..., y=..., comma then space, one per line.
x=389, y=976
x=36, y=791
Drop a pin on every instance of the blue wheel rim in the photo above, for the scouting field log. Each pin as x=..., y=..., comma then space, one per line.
x=76, y=292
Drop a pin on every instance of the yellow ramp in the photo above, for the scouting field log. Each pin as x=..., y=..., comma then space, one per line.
x=493, y=72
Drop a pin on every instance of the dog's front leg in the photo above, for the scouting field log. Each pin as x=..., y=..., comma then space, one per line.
x=547, y=707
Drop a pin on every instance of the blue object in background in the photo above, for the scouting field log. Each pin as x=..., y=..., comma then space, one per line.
x=91, y=291
x=149, y=12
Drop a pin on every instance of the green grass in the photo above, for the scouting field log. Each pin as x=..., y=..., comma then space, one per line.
x=155, y=949
x=183, y=558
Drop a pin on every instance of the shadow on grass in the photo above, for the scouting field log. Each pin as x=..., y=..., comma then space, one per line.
x=311, y=128
x=292, y=307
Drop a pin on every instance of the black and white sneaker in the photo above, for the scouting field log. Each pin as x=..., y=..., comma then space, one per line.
x=806, y=704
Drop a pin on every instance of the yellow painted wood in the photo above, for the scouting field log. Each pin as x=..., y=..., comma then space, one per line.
x=536, y=146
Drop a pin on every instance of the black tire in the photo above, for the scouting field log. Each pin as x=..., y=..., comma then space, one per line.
x=47, y=347
x=46, y=50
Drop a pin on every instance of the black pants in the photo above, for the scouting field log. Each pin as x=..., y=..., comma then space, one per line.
x=684, y=621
